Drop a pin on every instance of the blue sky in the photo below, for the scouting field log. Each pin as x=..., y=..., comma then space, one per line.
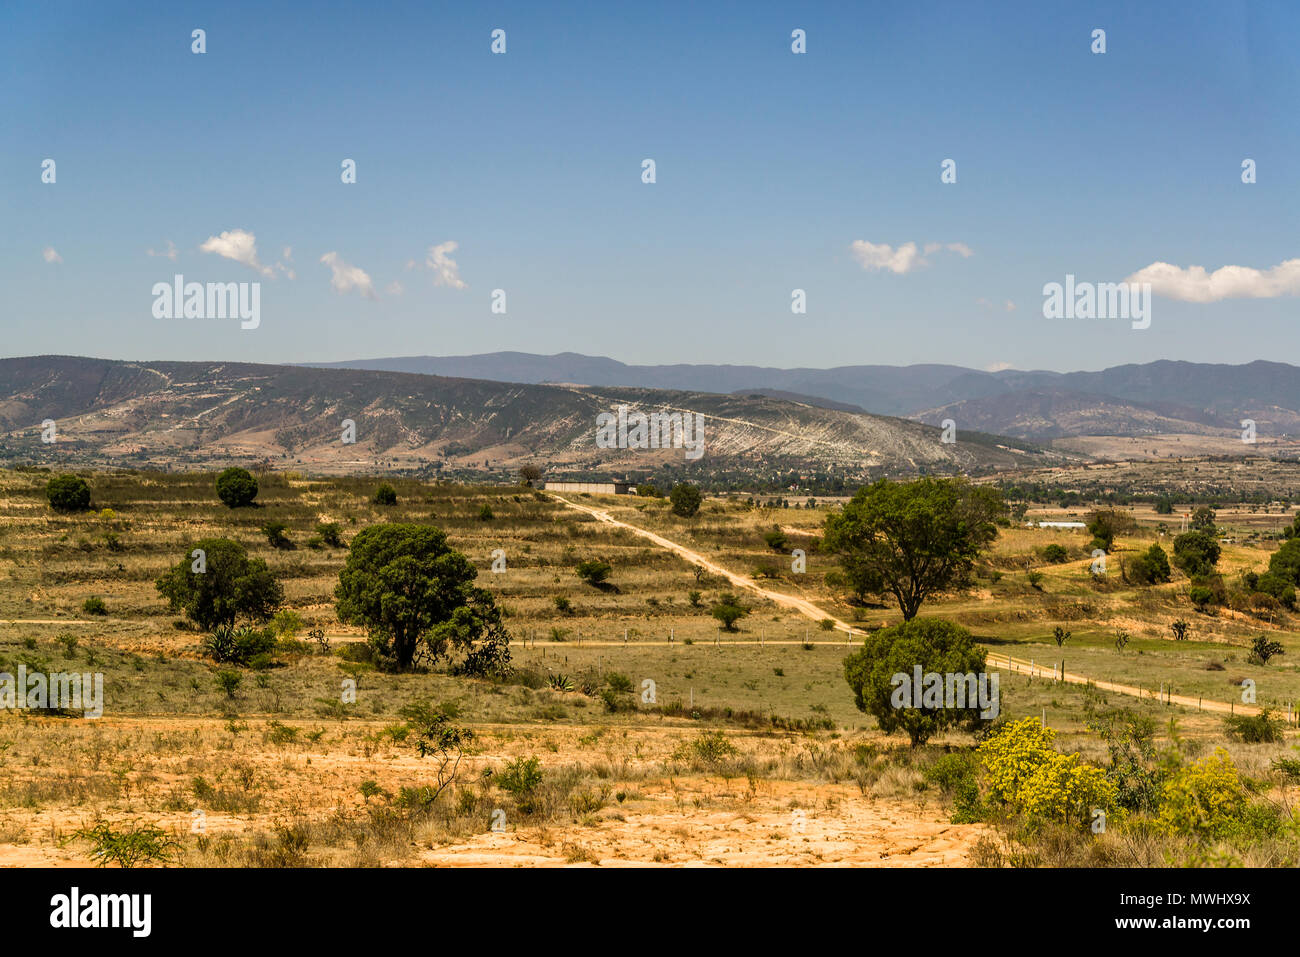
x=770, y=166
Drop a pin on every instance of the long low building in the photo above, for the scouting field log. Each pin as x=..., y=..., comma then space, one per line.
x=595, y=488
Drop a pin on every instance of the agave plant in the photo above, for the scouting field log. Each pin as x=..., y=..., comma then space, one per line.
x=560, y=683
x=220, y=645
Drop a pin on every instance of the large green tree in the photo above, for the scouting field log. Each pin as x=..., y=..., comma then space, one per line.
x=914, y=539
x=217, y=582
x=936, y=646
x=413, y=592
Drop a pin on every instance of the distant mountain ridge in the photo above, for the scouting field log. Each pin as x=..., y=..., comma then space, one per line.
x=177, y=414
x=1132, y=399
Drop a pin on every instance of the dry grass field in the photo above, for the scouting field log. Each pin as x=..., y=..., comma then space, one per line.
x=751, y=751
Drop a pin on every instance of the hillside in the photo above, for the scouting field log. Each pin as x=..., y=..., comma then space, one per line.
x=175, y=414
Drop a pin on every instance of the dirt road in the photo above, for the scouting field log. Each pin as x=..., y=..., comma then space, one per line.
x=801, y=605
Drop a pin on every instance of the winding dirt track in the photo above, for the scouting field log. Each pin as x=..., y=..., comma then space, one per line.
x=805, y=607
x=801, y=605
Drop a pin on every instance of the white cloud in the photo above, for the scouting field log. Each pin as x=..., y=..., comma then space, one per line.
x=998, y=366
x=168, y=253
x=51, y=256
x=1009, y=306
x=239, y=245
x=1195, y=284
x=884, y=256
x=394, y=288
x=345, y=278
x=903, y=259
x=446, y=272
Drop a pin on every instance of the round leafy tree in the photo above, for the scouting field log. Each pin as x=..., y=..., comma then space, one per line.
x=236, y=487
x=685, y=499
x=1196, y=553
x=217, y=582
x=385, y=495
x=936, y=646
x=414, y=593
x=68, y=493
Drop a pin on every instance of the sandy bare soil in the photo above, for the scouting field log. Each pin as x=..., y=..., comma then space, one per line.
x=839, y=827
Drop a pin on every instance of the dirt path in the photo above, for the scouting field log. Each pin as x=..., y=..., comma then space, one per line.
x=801, y=605
x=51, y=621
x=805, y=607
x=1020, y=666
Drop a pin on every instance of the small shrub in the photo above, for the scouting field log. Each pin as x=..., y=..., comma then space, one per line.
x=229, y=681
x=236, y=488
x=330, y=534
x=1262, y=728
x=287, y=623
x=94, y=605
x=275, y=534
x=238, y=646
x=729, y=610
x=1207, y=799
x=128, y=847
x=521, y=779
x=711, y=748
x=776, y=540
x=1262, y=649
x=593, y=571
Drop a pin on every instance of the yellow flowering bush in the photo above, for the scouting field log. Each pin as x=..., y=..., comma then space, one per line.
x=1024, y=770
x=1013, y=755
x=1063, y=789
x=1207, y=798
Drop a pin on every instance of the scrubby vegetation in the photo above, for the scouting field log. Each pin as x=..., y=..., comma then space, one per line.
x=270, y=684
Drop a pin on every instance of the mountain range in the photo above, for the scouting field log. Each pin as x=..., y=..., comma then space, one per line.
x=1159, y=397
